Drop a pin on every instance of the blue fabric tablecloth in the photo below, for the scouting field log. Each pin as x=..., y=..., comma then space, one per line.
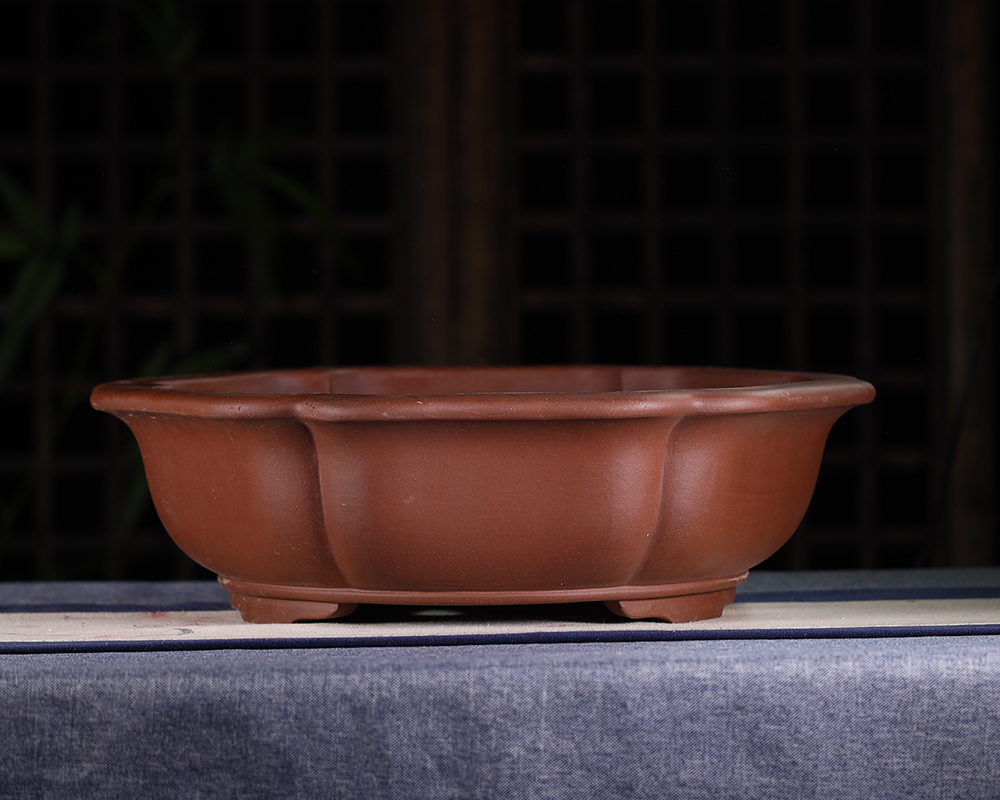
x=838, y=712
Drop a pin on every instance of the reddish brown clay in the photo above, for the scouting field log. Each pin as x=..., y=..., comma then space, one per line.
x=653, y=489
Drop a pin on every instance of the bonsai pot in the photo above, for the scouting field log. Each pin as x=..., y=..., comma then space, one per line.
x=653, y=489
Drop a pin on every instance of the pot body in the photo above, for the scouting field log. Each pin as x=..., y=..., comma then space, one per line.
x=503, y=485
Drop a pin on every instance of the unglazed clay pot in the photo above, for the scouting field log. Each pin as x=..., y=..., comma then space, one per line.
x=653, y=489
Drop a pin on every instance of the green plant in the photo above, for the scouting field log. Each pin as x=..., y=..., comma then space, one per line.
x=42, y=251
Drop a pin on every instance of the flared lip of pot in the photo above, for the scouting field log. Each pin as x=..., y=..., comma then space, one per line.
x=215, y=396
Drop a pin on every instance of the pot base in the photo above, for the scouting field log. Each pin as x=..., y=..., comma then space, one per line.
x=272, y=609
x=685, y=608
x=672, y=602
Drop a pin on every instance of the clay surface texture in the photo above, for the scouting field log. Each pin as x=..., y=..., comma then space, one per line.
x=653, y=489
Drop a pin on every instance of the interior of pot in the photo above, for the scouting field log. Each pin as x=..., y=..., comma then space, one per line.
x=480, y=380
x=475, y=380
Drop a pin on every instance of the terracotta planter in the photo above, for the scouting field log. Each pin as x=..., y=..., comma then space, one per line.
x=653, y=489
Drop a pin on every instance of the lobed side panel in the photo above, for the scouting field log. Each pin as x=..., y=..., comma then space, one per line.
x=240, y=497
x=497, y=505
x=735, y=489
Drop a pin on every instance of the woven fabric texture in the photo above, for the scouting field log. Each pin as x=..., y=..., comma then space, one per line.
x=837, y=718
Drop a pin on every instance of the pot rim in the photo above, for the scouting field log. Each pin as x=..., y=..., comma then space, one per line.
x=753, y=391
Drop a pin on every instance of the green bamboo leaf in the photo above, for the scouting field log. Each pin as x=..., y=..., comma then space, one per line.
x=216, y=359
x=68, y=232
x=136, y=497
x=317, y=209
x=35, y=287
x=184, y=49
x=28, y=216
x=13, y=247
x=156, y=362
x=169, y=40
x=237, y=170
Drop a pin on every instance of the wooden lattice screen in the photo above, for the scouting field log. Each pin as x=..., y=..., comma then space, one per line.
x=748, y=182
x=87, y=112
x=753, y=184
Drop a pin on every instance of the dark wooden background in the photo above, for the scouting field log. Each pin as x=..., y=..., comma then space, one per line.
x=769, y=183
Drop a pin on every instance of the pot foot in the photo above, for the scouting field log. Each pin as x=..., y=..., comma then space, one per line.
x=274, y=609
x=685, y=608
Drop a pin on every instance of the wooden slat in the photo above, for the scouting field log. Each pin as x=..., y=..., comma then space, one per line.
x=425, y=39
x=483, y=302
x=969, y=215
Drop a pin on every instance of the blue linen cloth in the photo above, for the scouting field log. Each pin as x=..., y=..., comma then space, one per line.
x=900, y=718
x=886, y=718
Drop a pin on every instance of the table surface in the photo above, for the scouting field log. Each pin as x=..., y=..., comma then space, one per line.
x=106, y=617
x=819, y=684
